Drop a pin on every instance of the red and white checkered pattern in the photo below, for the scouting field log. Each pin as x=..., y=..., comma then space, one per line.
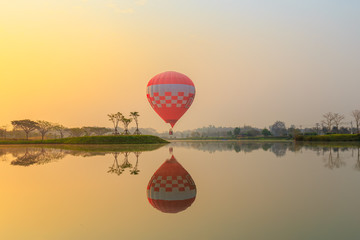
x=176, y=99
x=171, y=189
x=170, y=183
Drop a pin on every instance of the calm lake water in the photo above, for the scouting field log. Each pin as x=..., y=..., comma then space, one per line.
x=207, y=190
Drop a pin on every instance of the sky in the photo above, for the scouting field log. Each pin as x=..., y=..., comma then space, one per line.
x=252, y=61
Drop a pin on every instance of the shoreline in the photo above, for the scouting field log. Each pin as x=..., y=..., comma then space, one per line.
x=91, y=140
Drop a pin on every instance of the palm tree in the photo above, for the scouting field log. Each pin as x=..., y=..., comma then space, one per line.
x=126, y=122
x=115, y=118
x=135, y=116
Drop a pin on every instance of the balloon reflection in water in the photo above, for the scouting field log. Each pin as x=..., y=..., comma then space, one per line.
x=171, y=189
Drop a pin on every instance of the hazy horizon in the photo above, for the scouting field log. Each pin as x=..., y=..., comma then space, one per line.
x=252, y=63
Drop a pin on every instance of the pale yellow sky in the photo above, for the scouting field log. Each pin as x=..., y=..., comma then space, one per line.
x=252, y=62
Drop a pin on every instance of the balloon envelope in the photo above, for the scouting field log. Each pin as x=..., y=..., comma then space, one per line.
x=170, y=94
x=171, y=189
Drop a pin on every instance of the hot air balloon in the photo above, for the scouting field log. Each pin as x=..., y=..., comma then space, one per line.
x=170, y=94
x=171, y=189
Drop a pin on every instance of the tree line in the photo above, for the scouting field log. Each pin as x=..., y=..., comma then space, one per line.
x=331, y=123
x=43, y=128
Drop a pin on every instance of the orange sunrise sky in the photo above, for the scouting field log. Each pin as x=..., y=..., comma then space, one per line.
x=252, y=62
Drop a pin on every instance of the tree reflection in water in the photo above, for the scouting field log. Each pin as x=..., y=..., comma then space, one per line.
x=3, y=155
x=120, y=168
x=278, y=148
x=135, y=170
x=357, y=165
x=334, y=159
x=334, y=155
x=115, y=168
x=37, y=156
x=126, y=163
x=331, y=162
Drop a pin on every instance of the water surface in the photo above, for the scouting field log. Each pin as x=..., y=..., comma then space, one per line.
x=235, y=190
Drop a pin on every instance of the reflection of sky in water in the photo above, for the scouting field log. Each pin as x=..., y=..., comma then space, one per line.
x=244, y=190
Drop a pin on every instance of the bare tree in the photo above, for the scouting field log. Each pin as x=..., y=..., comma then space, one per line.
x=126, y=122
x=26, y=125
x=328, y=120
x=60, y=129
x=43, y=127
x=135, y=116
x=115, y=118
x=356, y=115
x=338, y=118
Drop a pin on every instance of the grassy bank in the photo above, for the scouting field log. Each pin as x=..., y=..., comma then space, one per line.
x=139, y=139
x=331, y=137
